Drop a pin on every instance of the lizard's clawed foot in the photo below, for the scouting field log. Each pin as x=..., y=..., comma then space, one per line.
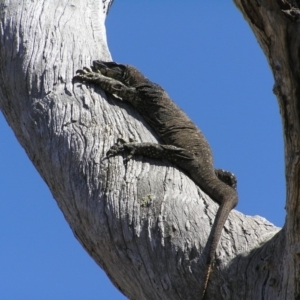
x=99, y=67
x=227, y=177
x=120, y=147
x=87, y=75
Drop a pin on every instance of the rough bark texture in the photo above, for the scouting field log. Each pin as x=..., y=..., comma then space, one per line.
x=276, y=26
x=146, y=223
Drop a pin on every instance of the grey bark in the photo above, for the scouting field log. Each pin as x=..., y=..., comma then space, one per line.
x=276, y=27
x=145, y=223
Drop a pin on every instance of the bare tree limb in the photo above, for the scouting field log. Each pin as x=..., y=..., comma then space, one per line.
x=276, y=26
x=146, y=223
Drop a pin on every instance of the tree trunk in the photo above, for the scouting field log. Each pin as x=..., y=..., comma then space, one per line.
x=146, y=223
x=276, y=27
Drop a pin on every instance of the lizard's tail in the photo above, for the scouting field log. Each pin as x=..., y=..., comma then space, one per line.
x=214, y=237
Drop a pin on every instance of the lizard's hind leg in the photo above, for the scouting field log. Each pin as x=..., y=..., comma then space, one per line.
x=152, y=150
x=227, y=177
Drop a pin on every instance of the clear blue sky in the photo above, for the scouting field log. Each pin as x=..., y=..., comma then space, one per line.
x=206, y=57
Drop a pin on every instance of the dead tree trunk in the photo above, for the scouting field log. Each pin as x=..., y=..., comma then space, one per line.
x=146, y=223
x=276, y=27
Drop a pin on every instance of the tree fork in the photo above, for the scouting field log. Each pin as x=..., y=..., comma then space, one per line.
x=146, y=228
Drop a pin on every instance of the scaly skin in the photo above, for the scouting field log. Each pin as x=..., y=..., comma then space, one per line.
x=184, y=143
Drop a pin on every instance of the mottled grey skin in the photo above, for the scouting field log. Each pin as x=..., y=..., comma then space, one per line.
x=184, y=144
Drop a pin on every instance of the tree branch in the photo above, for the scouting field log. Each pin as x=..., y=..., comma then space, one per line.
x=146, y=223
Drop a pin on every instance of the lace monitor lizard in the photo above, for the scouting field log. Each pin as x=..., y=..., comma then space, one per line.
x=184, y=144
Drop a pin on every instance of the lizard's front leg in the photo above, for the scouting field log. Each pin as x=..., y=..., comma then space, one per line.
x=112, y=70
x=108, y=84
x=128, y=75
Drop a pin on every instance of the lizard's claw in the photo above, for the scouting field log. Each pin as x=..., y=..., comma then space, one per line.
x=227, y=177
x=87, y=75
x=115, y=150
x=82, y=74
x=119, y=148
x=85, y=70
x=101, y=68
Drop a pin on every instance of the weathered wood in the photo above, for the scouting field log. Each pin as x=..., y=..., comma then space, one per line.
x=276, y=27
x=145, y=224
